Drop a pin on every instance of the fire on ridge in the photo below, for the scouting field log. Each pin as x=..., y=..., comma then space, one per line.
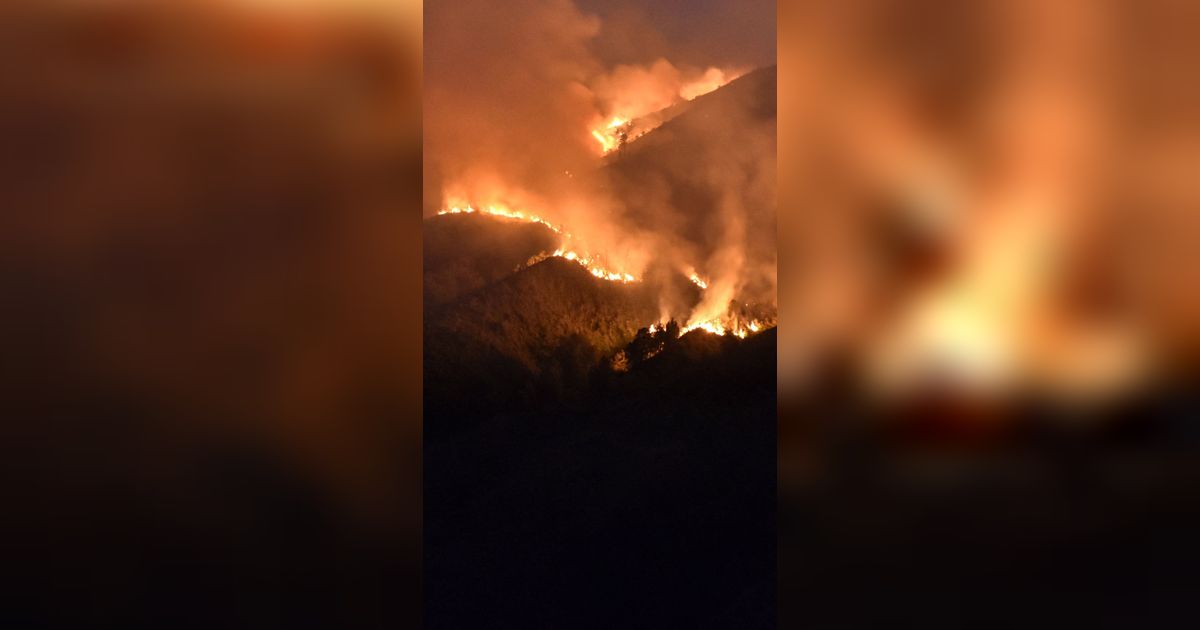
x=591, y=262
x=720, y=326
x=634, y=121
x=726, y=324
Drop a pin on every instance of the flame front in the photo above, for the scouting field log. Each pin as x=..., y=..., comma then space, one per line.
x=612, y=135
x=635, y=107
x=727, y=325
x=503, y=211
x=591, y=262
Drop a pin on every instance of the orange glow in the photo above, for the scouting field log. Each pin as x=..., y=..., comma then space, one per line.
x=612, y=135
x=726, y=325
x=640, y=99
x=713, y=78
x=591, y=262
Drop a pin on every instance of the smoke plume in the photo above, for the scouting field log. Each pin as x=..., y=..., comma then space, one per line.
x=524, y=109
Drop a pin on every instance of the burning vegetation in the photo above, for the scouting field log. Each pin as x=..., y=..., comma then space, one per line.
x=656, y=178
x=633, y=316
x=736, y=320
x=638, y=112
x=591, y=262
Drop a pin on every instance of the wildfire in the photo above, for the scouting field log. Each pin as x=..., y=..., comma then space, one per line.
x=591, y=262
x=635, y=118
x=721, y=326
x=728, y=324
x=725, y=326
x=506, y=212
x=612, y=135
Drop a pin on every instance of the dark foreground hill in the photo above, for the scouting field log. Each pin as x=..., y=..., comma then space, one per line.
x=531, y=338
x=649, y=502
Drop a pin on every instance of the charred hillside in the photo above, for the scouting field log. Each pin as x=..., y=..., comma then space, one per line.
x=591, y=466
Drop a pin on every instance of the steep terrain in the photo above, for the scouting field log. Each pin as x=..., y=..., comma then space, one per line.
x=707, y=176
x=574, y=456
x=735, y=122
x=531, y=337
x=463, y=253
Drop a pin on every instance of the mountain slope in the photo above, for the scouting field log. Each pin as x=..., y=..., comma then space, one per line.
x=707, y=177
x=532, y=336
x=751, y=97
x=554, y=481
x=465, y=252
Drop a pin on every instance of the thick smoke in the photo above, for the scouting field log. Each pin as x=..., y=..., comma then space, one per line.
x=505, y=96
x=512, y=94
x=635, y=90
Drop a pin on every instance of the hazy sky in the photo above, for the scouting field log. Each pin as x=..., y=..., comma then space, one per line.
x=699, y=32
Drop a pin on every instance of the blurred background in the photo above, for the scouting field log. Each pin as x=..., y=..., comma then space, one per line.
x=989, y=316
x=210, y=340
x=210, y=277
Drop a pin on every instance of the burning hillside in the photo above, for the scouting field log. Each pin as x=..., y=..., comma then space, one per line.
x=716, y=230
x=612, y=340
x=467, y=255
x=639, y=100
x=592, y=262
x=739, y=320
x=577, y=208
x=540, y=146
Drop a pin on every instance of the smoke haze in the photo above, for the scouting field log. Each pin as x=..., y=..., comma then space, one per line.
x=513, y=93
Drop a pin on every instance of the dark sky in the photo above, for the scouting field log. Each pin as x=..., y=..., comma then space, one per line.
x=697, y=32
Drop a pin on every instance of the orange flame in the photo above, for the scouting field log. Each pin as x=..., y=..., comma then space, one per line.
x=728, y=323
x=631, y=121
x=591, y=262
x=726, y=326
x=611, y=136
